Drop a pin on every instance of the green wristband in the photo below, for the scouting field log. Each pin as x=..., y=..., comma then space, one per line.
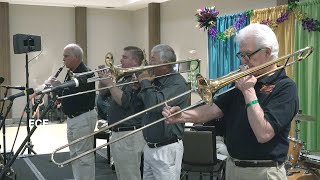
x=252, y=103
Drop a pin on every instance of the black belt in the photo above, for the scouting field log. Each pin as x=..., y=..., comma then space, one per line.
x=156, y=145
x=257, y=163
x=128, y=128
x=75, y=114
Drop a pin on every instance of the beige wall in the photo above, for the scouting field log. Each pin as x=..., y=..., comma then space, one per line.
x=108, y=30
x=140, y=28
x=112, y=30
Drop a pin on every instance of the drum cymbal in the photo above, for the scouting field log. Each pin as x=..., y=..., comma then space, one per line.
x=303, y=117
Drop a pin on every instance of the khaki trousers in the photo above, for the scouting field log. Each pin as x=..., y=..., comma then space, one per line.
x=126, y=155
x=84, y=124
x=234, y=172
x=163, y=163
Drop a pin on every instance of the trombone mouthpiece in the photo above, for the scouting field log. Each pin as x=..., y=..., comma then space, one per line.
x=244, y=67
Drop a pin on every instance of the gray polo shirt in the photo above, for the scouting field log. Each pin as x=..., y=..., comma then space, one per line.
x=160, y=90
x=130, y=105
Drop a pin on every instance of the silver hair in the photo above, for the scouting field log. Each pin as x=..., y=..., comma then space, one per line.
x=75, y=50
x=263, y=36
x=166, y=52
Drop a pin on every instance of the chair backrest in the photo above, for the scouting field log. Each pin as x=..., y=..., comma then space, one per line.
x=200, y=146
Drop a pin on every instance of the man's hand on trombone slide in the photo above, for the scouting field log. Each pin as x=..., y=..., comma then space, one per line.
x=169, y=111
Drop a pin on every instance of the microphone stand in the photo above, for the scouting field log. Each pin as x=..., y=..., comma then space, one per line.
x=14, y=142
x=5, y=95
x=3, y=124
x=3, y=118
x=6, y=168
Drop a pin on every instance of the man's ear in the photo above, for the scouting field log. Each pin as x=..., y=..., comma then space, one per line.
x=268, y=52
x=136, y=62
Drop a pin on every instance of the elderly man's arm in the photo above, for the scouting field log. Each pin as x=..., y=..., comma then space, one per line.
x=198, y=115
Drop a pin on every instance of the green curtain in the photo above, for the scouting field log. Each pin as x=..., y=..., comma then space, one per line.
x=307, y=77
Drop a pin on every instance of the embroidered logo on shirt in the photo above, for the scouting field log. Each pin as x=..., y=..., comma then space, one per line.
x=267, y=88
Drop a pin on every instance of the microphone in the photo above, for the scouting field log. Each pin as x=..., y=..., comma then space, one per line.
x=72, y=83
x=1, y=80
x=23, y=93
x=14, y=87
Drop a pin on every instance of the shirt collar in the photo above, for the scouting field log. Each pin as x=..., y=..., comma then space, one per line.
x=271, y=79
x=163, y=79
x=80, y=68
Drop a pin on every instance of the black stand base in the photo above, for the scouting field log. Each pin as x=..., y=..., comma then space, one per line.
x=29, y=145
x=10, y=175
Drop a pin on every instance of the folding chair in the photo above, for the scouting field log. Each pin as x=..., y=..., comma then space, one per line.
x=200, y=153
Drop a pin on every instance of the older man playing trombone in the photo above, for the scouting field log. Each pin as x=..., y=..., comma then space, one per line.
x=164, y=150
x=257, y=113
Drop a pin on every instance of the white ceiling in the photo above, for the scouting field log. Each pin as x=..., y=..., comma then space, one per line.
x=115, y=4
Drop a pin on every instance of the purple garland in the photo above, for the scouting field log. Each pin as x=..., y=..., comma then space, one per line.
x=311, y=24
x=284, y=16
x=240, y=21
x=207, y=18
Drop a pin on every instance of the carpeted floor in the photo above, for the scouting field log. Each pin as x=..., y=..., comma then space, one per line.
x=45, y=140
x=40, y=167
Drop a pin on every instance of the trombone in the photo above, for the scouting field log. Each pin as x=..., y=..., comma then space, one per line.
x=62, y=164
x=206, y=88
x=108, y=59
x=118, y=72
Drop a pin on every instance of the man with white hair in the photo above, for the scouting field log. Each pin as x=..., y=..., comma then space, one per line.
x=81, y=114
x=257, y=112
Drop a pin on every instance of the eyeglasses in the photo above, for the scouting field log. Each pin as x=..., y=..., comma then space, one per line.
x=247, y=56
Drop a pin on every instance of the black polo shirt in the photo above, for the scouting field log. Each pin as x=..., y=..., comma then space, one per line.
x=277, y=96
x=79, y=103
x=130, y=105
